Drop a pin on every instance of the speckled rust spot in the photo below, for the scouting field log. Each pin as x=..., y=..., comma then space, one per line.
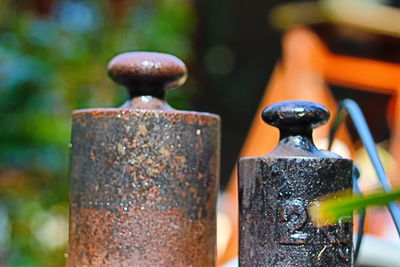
x=140, y=237
x=143, y=188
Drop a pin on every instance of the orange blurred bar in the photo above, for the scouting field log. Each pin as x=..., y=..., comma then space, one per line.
x=368, y=74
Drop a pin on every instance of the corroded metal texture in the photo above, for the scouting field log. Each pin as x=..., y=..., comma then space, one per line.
x=144, y=185
x=275, y=191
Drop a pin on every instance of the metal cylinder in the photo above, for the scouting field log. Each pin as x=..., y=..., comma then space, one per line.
x=144, y=177
x=275, y=191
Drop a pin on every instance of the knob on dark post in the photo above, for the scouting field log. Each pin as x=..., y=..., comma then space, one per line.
x=295, y=121
x=275, y=191
x=295, y=117
x=147, y=74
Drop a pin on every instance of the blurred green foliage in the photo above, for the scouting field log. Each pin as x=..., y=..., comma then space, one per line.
x=51, y=64
x=341, y=205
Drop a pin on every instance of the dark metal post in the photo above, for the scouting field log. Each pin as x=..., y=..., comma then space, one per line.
x=144, y=177
x=276, y=189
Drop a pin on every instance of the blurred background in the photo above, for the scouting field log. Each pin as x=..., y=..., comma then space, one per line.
x=53, y=58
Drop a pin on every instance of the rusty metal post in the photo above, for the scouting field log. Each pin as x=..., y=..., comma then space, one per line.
x=144, y=177
x=276, y=189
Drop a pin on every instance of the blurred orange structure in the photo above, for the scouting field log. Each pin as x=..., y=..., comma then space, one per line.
x=306, y=66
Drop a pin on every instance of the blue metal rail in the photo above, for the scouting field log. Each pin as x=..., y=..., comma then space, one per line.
x=350, y=108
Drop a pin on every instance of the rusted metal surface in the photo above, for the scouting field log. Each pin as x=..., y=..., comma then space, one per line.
x=275, y=191
x=144, y=177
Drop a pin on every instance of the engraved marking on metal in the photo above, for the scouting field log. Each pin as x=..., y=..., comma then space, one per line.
x=292, y=217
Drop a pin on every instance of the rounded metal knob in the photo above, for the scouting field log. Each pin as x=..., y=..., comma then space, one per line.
x=296, y=116
x=147, y=73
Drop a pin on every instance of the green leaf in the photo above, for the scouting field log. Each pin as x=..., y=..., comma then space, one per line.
x=333, y=208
